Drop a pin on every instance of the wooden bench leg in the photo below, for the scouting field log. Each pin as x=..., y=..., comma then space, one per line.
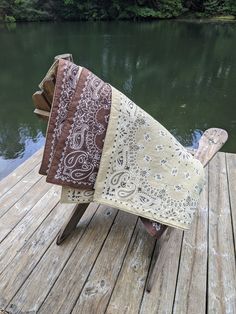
x=155, y=229
x=159, y=263
x=72, y=222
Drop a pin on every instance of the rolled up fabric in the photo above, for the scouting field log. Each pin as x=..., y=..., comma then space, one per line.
x=111, y=151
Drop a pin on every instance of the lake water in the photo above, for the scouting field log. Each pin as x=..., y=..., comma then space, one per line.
x=182, y=73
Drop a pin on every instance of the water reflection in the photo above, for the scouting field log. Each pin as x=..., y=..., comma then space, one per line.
x=183, y=74
x=30, y=146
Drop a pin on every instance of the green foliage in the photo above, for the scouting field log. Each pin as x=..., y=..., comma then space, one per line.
x=9, y=19
x=68, y=1
x=219, y=7
x=141, y=12
x=171, y=8
x=212, y=6
x=34, y=10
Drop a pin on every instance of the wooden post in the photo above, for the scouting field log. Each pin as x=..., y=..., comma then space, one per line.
x=42, y=114
x=43, y=99
x=40, y=101
x=48, y=89
x=72, y=222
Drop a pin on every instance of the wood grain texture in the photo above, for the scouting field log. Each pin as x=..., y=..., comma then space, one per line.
x=50, y=75
x=221, y=267
x=66, y=290
x=40, y=101
x=32, y=294
x=18, y=211
x=231, y=174
x=211, y=141
x=161, y=297
x=18, y=190
x=191, y=286
x=71, y=223
x=96, y=293
x=30, y=254
x=37, y=276
x=16, y=239
x=42, y=114
x=161, y=258
x=127, y=294
x=48, y=89
x=19, y=173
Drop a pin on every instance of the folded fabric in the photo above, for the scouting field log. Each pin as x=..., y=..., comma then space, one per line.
x=102, y=147
x=77, y=126
x=66, y=82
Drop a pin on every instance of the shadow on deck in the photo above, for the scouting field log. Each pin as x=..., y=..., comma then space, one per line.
x=103, y=266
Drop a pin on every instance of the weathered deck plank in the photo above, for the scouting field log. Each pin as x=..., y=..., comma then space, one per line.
x=161, y=298
x=17, y=212
x=96, y=292
x=191, y=286
x=15, y=240
x=231, y=172
x=128, y=291
x=103, y=266
x=18, y=174
x=65, y=292
x=49, y=268
x=221, y=265
x=18, y=190
x=30, y=253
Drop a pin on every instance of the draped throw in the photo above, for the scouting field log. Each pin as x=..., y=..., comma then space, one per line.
x=102, y=147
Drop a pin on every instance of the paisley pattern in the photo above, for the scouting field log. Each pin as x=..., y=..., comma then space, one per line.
x=78, y=152
x=140, y=168
x=144, y=170
x=67, y=77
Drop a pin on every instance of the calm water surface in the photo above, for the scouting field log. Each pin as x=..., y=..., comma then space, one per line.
x=182, y=73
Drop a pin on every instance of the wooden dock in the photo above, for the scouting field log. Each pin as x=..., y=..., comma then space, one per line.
x=103, y=266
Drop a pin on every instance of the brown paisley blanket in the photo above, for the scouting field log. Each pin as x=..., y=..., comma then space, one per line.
x=77, y=127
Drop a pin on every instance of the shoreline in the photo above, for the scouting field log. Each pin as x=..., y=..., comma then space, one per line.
x=220, y=18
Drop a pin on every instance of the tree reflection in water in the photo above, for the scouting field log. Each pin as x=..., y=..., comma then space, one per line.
x=182, y=73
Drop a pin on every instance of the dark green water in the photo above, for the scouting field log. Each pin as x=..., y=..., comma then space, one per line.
x=182, y=73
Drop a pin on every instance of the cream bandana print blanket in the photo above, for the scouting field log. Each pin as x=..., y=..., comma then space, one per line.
x=144, y=170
